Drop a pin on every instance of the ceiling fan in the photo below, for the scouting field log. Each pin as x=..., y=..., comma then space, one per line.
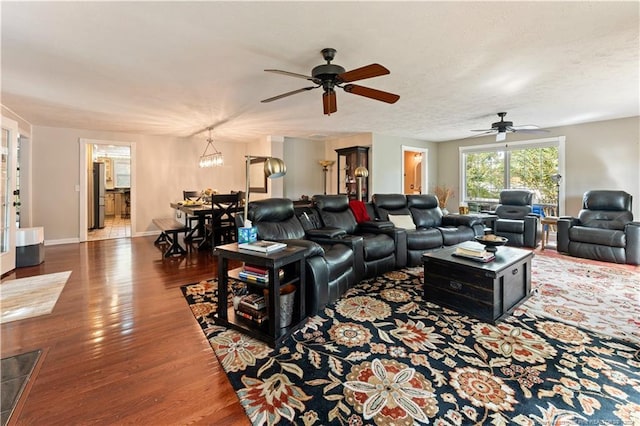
x=329, y=76
x=500, y=128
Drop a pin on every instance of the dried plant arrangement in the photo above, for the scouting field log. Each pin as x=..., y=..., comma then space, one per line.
x=443, y=193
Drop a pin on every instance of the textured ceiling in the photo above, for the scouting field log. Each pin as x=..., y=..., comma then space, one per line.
x=175, y=68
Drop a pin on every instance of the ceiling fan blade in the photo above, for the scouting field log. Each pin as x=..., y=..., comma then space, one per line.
x=284, y=95
x=368, y=71
x=292, y=74
x=526, y=127
x=329, y=102
x=368, y=92
x=484, y=130
x=518, y=130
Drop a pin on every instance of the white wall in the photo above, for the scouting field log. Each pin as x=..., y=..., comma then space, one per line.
x=304, y=174
x=165, y=167
x=599, y=155
x=387, y=161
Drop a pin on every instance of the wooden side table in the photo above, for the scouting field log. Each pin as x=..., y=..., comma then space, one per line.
x=547, y=222
x=292, y=260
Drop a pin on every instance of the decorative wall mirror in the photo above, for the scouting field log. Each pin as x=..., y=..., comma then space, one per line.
x=257, y=176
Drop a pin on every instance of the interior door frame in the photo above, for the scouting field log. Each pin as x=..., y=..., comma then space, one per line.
x=84, y=179
x=8, y=257
x=423, y=167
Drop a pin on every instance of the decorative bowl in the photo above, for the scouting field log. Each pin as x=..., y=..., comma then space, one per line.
x=491, y=242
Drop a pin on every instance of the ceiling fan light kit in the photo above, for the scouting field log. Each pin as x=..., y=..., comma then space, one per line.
x=500, y=128
x=329, y=76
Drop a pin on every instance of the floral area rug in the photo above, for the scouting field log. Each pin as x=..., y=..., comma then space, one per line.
x=382, y=355
x=601, y=297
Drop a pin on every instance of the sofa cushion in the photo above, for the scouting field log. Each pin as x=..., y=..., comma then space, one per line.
x=456, y=234
x=509, y=225
x=377, y=246
x=606, y=200
x=404, y=221
x=603, y=237
x=424, y=239
x=605, y=219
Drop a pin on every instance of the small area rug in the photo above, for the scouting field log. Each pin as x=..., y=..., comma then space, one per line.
x=30, y=297
x=382, y=355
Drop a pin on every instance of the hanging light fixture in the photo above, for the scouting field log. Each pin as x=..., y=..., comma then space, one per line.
x=214, y=159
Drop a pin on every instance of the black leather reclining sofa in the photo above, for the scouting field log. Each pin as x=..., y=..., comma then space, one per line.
x=431, y=229
x=330, y=261
x=340, y=251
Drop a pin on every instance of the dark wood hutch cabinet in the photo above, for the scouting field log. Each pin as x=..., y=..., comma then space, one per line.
x=348, y=160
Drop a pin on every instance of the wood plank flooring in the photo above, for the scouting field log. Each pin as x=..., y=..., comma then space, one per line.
x=121, y=346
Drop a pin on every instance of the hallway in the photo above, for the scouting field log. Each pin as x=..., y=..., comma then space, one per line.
x=114, y=227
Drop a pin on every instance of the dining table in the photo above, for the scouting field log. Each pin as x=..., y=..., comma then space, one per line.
x=221, y=206
x=202, y=212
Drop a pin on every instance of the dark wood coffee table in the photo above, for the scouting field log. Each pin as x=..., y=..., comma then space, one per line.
x=488, y=291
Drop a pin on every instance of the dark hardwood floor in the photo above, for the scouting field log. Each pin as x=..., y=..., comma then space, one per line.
x=121, y=345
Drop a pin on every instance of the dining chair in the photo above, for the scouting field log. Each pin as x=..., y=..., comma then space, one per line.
x=222, y=228
x=190, y=220
x=191, y=195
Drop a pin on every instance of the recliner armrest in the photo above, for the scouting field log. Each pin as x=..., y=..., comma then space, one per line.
x=531, y=230
x=564, y=223
x=632, y=250
x=461, y=220
x=374, y=225
x=399, y=236
x=326, y=232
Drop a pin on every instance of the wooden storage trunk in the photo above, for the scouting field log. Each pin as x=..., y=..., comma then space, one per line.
x=488, y=291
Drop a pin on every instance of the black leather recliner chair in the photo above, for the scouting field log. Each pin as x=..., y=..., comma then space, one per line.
x=331, y=263
x=384, y=247
x=515, y=220
x=604, y=229
x=433, y=230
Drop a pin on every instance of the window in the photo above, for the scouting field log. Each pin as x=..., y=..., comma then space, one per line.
x=488, y=169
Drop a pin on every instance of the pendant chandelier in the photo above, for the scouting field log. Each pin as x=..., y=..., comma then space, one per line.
x=215, y=159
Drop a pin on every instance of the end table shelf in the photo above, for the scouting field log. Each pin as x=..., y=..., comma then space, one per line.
x=292, y=260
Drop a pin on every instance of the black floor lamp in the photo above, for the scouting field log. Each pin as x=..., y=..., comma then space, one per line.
x=325, y=168
x=273, y=168
x=556, y=179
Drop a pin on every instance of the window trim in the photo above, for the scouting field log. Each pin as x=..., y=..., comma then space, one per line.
x=558, y=141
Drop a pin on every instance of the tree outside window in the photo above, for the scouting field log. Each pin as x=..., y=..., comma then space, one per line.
x=487, y=172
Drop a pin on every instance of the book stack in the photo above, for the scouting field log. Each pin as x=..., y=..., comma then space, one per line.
x=256, y=274
x=263, y=246
x=253, y=307
x=474, y=251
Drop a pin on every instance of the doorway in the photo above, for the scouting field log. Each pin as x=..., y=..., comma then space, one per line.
x=8, y=195
x=414, y=170
x=106, y=189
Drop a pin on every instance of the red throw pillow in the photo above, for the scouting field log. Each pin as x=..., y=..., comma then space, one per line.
x=359, y=211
